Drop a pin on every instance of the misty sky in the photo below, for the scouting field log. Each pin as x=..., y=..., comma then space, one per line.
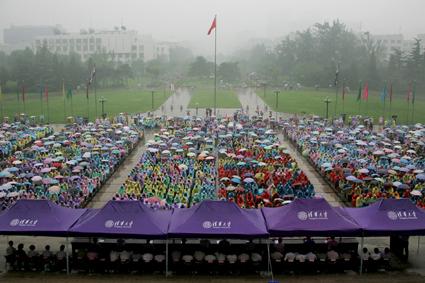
x=238, y=20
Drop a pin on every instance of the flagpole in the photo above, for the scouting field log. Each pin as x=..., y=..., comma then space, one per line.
x=413, y=101
x=343, y=97
x=23, y=96
x=72, y=107
x=47, y=102
x=391, y=99
x=63, y=96
x=408, y=110
x=41, y=99
x=336, y=89
x=87, y=101
x=1, y=101
x=95, y=93
x=215, y=67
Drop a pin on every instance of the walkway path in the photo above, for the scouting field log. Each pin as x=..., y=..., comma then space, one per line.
x=249, y=98
x=110, y=188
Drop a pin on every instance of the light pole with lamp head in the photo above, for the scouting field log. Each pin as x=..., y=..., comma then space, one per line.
x=327, y=101
x=277, y=101
x=102, y=100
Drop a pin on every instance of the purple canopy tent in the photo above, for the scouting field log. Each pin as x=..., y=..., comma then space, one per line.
x=38, y=217
x=389, y=217
x=217, y=219
x=309, y=217
x=124, y=219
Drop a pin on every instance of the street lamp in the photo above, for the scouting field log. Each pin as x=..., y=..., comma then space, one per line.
x=264, y=89
x=277, y=101
x=152, y=99
x=102, y=100
x=327, y=101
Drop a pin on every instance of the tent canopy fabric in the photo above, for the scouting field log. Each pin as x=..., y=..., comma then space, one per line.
x=389, y=217
x=309, y=217
x=217, y=219
x=124, y=219
x=38, y=218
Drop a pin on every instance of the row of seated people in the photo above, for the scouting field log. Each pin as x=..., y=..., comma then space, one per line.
x=33, y=260
x=199, y=258
x=336, y=258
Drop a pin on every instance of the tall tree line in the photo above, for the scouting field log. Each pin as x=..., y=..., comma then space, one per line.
x=310, y=57
x=33, y=70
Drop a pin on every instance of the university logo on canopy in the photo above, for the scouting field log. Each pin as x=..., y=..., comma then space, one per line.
x=308, y=217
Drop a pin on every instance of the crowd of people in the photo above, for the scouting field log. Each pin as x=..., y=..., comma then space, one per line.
x=179, y=167
x=363, y=164
x=213, y=257
x=17, y=135
x=67, y=167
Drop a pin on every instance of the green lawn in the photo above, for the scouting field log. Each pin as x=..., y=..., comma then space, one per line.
x=117, y=101
x=203, y=97
x=312, y=102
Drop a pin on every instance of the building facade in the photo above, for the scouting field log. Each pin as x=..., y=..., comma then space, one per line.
x=120, y=46
x=389, y=42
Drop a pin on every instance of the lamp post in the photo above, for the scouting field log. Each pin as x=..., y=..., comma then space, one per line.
x=102, y=100
x=327, y=101
x=264, y=89
x=277, y=101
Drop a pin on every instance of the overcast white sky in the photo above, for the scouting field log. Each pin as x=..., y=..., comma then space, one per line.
x=238, y=20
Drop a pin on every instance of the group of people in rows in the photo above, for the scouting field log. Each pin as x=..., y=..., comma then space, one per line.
x=362, y=164
x=180, y=168
x=17, y=135
x=68, y=166
x=35, y=260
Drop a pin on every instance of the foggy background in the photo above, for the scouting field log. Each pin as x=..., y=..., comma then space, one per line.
x=239, y=21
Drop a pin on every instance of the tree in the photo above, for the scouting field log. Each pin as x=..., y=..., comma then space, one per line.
x=229, y=72
x=200, y=68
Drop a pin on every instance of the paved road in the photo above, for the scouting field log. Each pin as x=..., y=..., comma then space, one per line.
x=110, y=188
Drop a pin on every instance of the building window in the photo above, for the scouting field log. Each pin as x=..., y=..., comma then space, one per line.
x=91, y=47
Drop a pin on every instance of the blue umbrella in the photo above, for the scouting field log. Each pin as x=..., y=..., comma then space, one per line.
x=420, y=177
x=236, y=180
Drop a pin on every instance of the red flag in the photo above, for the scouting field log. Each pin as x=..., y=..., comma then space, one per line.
x=366, y=92
x=391, y=93
x=213, y=26
x=23, y=94
x=46, y=93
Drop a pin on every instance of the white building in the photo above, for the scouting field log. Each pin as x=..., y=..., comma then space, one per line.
x=389, y=42
x=120, y=45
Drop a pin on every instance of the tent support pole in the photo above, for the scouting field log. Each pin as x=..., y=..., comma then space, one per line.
x=419, y=243
x=166, y=258
x=67, y=256
x=361, y=257
x=269, y=261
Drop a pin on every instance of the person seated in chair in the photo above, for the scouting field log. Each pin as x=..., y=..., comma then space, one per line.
x=46, y=257
x=61, y=258
x=10, y=255
x=33, y=258
x=332, y=255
